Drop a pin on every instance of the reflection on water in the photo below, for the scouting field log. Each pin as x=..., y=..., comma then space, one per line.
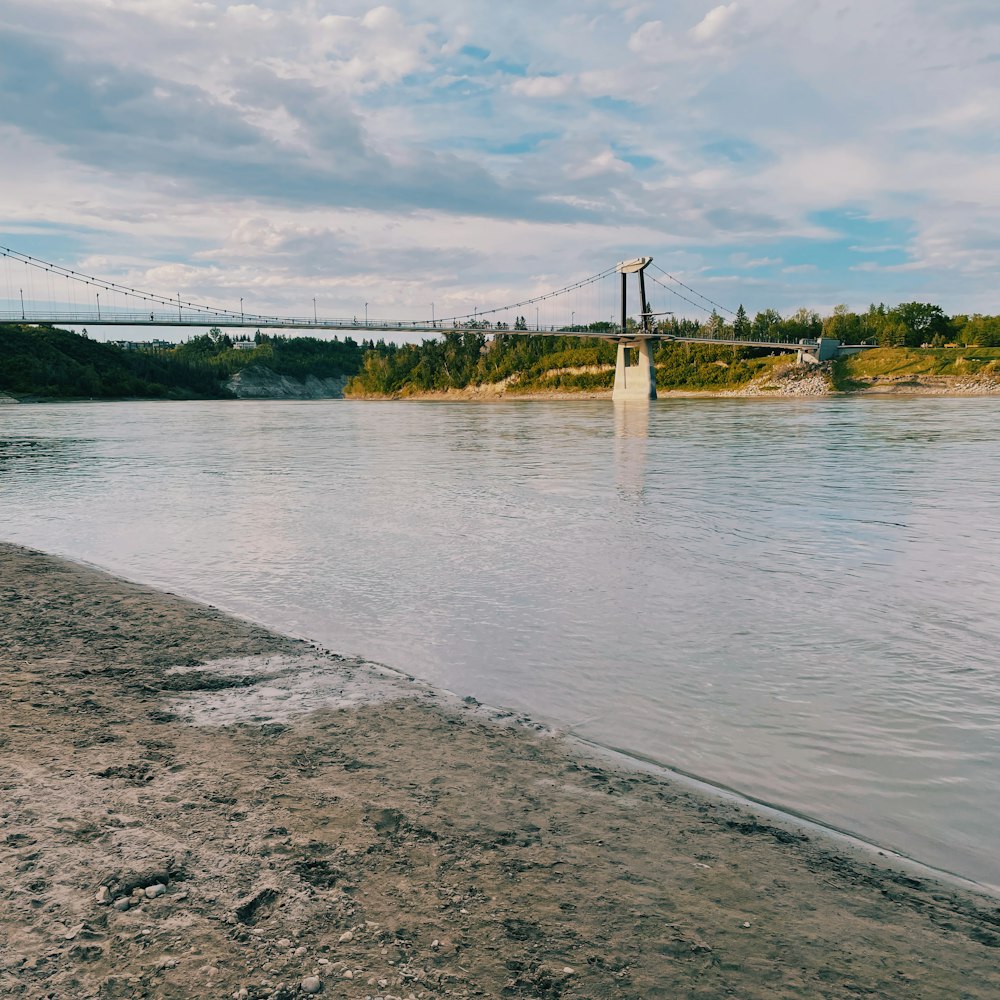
x=631, y=432
x=795, y=598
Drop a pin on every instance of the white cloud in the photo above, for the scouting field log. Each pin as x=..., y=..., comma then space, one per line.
x=543, y=86
x=830, y=175
x=714, y=22
x=979, y=112
x=750, y=263
x=649, y=39
x=603, y=163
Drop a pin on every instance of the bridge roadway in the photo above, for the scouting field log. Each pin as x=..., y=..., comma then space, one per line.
x=227, y=321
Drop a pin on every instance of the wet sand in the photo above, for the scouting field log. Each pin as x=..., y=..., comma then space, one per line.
x=193, y=806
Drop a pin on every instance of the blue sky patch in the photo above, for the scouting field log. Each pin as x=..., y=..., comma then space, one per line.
x=638, y=160
x=734, y=150
x=614, y=106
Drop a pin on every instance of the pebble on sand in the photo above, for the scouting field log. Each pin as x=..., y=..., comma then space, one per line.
x=155, y=890
x=103, y=896
x=311, y=984
x=346, y=936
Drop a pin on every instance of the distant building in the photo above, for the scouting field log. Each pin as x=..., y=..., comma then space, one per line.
x=143, y=345
x=244, y=345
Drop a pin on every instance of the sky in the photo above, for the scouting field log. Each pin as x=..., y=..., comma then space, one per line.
x=774, y=153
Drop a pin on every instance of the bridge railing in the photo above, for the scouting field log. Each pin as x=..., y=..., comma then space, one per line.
x=186, y=317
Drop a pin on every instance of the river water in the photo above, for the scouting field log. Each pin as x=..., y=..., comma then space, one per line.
x=794, y=598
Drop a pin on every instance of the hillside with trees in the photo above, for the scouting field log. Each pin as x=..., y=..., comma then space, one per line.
x=533, y=364
x=296, y=357
x=46, y=362
x=485, y=356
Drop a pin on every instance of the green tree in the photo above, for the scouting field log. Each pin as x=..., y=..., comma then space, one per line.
x=767, y=325
x=803, y=324
x=843, y=325
x=741, y=324
x=981, y=331
x=716, y=325
x=921, y=320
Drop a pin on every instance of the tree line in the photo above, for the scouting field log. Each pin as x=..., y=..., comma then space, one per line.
x=909, y=324
x=459, y=360
x=297, y=357
x=46, y=361
x=49, y=362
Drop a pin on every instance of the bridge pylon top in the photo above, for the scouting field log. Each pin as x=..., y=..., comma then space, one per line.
x=636, y=266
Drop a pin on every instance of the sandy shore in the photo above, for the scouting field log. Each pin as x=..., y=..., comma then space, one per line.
x=193, y=806
x=814, y=390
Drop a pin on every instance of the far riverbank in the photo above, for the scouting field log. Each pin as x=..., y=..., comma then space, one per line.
x=807, y=384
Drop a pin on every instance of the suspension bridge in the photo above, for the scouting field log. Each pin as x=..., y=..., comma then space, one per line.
x=40, y=292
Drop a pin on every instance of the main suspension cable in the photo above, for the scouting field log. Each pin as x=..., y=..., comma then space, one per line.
x=529, y=302
x=673, y=291
x=58, y=269
x=693, y=292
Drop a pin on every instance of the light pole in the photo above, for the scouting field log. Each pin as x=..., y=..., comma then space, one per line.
x=22, y=302
x=433, y=323
x=241, y=308
x=366, y=314
x=537, y=327
x=572, y=319
x=98, y=306
x=315, y=321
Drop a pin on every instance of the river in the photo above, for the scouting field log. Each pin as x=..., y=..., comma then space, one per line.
x=797, y=599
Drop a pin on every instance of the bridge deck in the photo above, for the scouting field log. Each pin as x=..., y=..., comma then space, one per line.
x=229, y=322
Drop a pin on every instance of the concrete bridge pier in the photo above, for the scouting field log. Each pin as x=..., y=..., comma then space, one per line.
x=813, y=352
x=635, y=376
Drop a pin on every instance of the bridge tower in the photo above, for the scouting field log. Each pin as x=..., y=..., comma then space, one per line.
x=635, y=376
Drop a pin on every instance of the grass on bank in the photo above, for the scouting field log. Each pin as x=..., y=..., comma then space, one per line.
x=858, y=370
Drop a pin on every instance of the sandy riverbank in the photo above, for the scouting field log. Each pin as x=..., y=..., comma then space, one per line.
x=808, y=384
x=311, y=816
